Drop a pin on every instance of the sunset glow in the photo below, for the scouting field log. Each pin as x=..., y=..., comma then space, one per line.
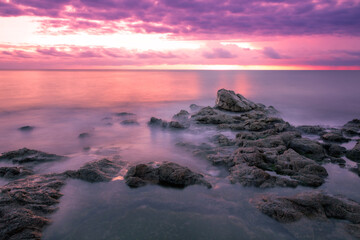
x=146, y=34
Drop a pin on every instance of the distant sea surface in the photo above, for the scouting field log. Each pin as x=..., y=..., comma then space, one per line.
x=61, y=105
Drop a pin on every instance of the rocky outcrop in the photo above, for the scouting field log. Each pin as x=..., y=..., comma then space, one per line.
x=253, y=176
x=334, y=137
x=222, y=140
x=26, y=203
x=306, y=171
x=308, y=129
x=334, y=150
x=102, y=170
x=167, y=173
x=308, y=148
x=352, y=128
x=228, y=100
x=25, y=155
x=313, y=205
x=14, y=172
x=354, y=154
x=252, y=167
x=179, y=121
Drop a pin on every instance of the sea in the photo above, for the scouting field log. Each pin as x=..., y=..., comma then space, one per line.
x=61, y=105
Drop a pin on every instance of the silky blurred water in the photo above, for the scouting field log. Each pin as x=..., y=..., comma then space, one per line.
x=63, y=104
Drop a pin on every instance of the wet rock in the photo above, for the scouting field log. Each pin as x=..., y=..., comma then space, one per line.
x=26, y=128
x=129, y=122
x=308, y=129
x=356, y=169
x=179, y=125
x=102, y=170
x=26, y=155
x=270, y=110
x=352, y=128
x=14, y=172
x=341, y=162
x=84, y=135
x=334, y=137
x=334, y=150
x=354, y=154
x=166, y=173
x=252, y=167
x=308, y=148
x=313, y=205
x=26, y=203
x=222, y=140
x=300, y=168
x=253, y=176
x=124, y=114
x=180, y=120
x=228, y=100
x=157, y=122
x=195, y=107
x=182, y=115
x=208, y=115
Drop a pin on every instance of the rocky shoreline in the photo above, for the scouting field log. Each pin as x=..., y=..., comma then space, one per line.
x=266, y=152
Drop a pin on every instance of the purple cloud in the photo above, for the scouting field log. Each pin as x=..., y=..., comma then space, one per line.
x=53, y=52
x=203, y=17
x=269, y=52
x=9, y=10
x=219, y=53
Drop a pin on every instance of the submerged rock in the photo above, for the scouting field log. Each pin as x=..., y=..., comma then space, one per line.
x=167, y=173
x=14, y=172
x=84, y=135
x=313, y=205
x=354, y=154
x=228, y=100
x=26, y=203
x=26, y=155
x=124, y=114
x=129, y=122
x=26, y=128
x=102, y=170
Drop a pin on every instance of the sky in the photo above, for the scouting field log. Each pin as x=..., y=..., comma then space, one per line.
x=180, y=34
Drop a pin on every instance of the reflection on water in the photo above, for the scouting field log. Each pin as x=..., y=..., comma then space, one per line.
x=63, y=104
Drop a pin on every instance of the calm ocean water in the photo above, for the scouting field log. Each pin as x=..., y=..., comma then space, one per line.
x=63, y=104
